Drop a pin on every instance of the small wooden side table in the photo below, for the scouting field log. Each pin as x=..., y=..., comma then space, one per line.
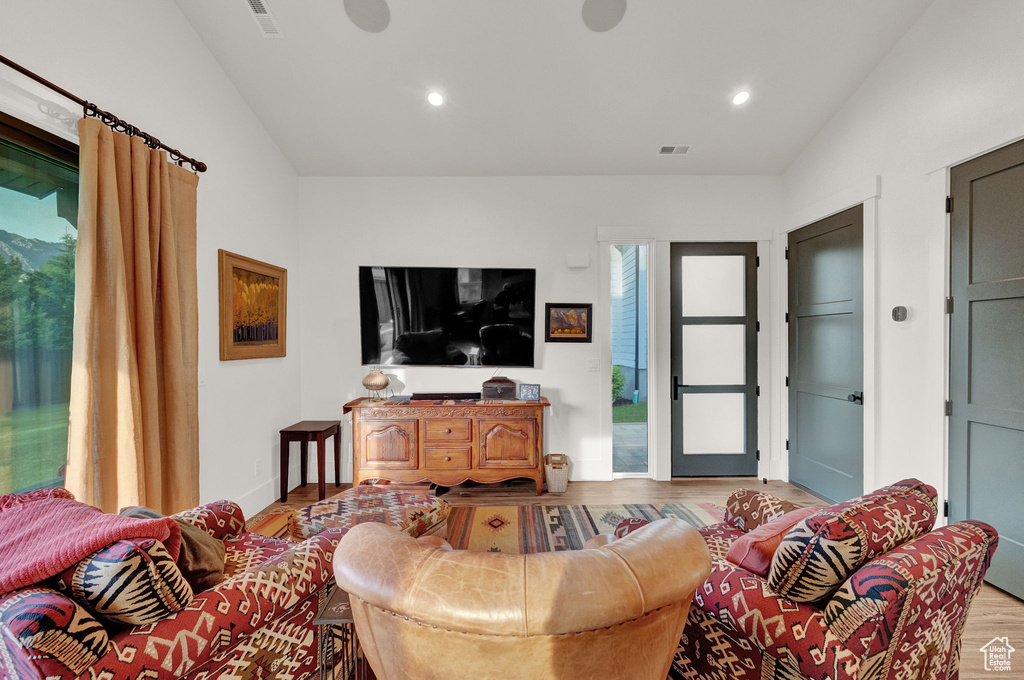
x=305, y=432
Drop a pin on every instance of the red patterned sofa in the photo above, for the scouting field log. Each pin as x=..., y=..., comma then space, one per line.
x=256, y=623
x=862, y=590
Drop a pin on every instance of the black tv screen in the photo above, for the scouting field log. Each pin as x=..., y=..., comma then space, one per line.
x=447, y=316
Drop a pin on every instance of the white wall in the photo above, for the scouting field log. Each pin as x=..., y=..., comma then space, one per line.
x=951, y=89
x=142, y=61
x=505, y=222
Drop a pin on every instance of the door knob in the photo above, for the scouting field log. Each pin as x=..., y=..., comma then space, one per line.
x=856, y=397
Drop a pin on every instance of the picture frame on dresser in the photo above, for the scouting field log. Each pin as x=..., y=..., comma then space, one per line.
x=529, y=392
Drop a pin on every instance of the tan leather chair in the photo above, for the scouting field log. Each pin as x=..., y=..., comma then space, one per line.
x=424, y=611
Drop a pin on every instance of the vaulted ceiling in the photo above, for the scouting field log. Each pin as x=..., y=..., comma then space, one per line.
x=530, y=90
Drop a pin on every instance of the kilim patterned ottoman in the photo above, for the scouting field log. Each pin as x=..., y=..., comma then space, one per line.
x=415, y=512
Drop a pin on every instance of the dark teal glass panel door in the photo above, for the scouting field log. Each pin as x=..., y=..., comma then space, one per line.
x=714, y=359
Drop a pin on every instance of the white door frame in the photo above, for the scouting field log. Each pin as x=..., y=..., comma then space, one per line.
x=659, y=356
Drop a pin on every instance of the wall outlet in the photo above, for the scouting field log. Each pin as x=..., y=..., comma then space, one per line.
x=258, y=467
x=593, y=365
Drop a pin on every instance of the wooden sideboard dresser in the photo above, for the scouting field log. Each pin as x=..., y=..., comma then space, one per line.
x=446, y=442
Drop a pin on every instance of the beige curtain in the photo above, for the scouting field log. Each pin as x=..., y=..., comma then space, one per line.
x=134, y=394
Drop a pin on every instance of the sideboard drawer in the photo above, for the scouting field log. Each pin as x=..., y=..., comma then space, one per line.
x=447, y=430
x=447, y=458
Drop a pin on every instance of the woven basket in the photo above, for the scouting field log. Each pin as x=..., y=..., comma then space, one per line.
x=556, y=470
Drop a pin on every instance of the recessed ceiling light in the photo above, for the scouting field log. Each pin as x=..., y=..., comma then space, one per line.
x=741, y=98
x=435, y=98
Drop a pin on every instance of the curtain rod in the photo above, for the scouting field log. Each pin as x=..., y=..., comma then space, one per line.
x=91, y=110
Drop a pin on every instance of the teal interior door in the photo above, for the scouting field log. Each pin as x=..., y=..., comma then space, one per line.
x=714, y=359
x=986, y=380
x=826, y=356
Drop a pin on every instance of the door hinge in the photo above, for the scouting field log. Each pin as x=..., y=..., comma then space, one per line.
x=945, y=508
x=757, y=391
x=787, y=381
x=949, y=407
x=949, y=204
x=949, y=305
x=758, y=454
x=787, y=253
x=787, y=445
x=757, y=326
x=757, y=261
x=787, y=317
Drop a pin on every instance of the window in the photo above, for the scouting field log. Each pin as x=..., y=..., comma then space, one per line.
x=38, y=233
x=470, y=285
x=630, y=453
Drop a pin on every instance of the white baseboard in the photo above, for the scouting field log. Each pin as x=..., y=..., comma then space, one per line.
x=259, y=498
x=589, y=471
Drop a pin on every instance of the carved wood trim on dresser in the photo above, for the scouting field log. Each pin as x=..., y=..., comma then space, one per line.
x=485, y=441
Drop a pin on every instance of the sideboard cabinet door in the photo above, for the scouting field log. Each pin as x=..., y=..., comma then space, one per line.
x=388, y=444
x=508, y=443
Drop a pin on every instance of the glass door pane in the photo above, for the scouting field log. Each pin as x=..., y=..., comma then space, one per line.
x=713, y=285
x=629, y=359
x=714, y=354
x=713, y=423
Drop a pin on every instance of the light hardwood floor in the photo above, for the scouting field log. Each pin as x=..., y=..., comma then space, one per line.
x=993, y=612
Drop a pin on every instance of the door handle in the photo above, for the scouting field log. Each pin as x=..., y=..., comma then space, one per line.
x=856, y=397
x=675, y=387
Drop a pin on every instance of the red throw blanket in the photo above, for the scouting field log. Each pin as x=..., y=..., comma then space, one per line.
x=44, y=533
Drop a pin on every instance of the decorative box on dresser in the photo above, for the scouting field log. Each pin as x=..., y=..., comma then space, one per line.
x=447, y=443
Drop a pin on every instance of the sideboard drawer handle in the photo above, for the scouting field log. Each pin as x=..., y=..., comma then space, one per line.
x=447, y=430
x=447, y=459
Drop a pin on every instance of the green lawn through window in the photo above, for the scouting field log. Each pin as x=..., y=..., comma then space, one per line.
x=630, y=413
x=40, y=438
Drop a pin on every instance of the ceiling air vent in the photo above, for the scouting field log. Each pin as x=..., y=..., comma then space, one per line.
x=264, y=18
x=673, y=150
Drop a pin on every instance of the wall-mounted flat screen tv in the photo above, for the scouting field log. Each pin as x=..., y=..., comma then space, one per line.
x=447, y=316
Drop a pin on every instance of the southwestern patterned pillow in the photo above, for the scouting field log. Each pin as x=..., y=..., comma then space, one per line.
x=747, y=510
x=629, y=525
x=821, y=552
x=133, y=581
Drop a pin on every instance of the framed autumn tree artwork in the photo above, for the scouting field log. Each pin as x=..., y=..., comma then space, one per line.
x=253, y=308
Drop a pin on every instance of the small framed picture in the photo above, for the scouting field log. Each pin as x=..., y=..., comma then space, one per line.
x=567, y=322
x=529, y=392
